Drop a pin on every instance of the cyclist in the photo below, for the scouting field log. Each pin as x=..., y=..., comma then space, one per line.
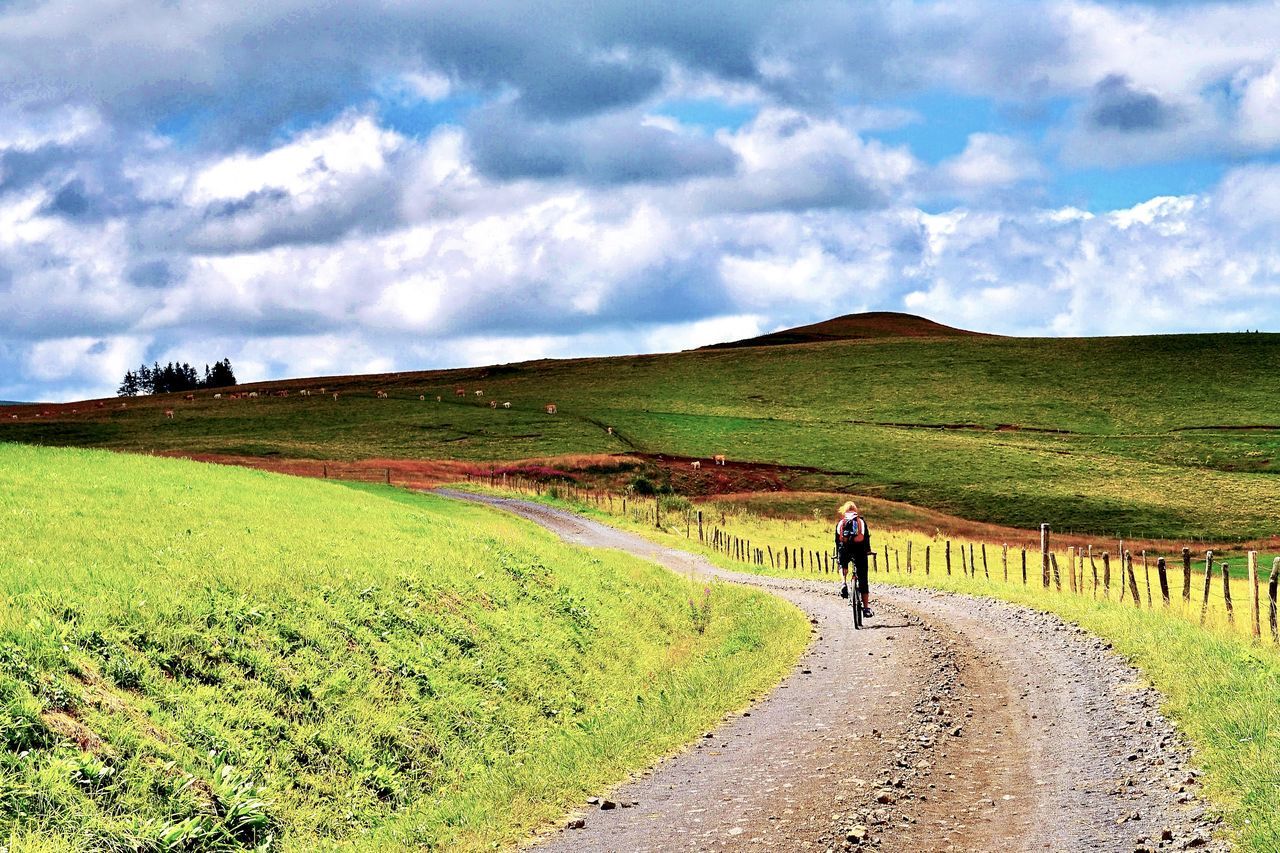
x=853, y=544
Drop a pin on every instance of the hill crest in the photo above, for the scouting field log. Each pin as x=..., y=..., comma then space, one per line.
x=870, y=325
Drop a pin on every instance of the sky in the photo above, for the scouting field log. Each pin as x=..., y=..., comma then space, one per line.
x=312, y=188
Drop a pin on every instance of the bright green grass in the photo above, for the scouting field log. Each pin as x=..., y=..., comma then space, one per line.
x=1122, y=463
x=1219, y=685
x=226, y=658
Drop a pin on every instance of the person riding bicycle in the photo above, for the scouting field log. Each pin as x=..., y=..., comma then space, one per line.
x=853, y=544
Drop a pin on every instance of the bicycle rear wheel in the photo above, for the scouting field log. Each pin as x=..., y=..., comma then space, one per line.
x=855, y=601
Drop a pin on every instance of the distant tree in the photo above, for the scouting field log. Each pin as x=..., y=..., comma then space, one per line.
x=221, y=376
x=129, y=387
x=174, y=378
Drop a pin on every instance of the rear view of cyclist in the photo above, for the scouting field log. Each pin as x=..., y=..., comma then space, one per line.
x=853, y=544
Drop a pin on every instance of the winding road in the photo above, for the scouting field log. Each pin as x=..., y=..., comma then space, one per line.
x=949, y=724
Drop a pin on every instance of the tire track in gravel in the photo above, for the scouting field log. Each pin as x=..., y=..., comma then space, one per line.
x=950, y=723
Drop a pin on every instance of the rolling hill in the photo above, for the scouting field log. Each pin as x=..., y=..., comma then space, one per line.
x=854, y=327
x=1168, y=435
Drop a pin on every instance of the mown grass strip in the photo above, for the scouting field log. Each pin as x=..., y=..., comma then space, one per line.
x=222, y=659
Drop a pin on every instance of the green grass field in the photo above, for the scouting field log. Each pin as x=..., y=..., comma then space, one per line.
x=1219, y=684
x=195, y=656
x=1130, y=436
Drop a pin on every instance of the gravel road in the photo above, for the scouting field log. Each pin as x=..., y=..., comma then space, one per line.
x=949, y=724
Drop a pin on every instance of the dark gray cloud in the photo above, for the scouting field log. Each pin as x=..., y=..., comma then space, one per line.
x=1117, y=105
x=616, y=149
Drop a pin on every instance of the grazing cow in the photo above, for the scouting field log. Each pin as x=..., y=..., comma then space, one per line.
x=168, y=413
x=459, y=392
x=253, y=394
x=124, y=405
x=217, y=396
x=99, y=405
x=15, y=417
x=551, y=408
x=188, y=397
x=479, y=392
x=506, y=405
x=335, y=395
x=282, y=394
x=609, y=430
x=422, y=396
x=304, y=393
x=719, y=458
x=382, y=395
x=75, y=411
x=437, y=398
x=493, y=404
x=696, y=464
x=321, y=391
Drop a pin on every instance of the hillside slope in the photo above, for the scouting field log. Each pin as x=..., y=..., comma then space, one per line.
x=200, y=657
x=1175, y=435
x=869, y=325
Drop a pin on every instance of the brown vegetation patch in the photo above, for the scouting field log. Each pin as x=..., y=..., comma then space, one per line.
x=62, y=723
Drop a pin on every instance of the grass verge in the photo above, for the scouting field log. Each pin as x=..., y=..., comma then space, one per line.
x=199, y=657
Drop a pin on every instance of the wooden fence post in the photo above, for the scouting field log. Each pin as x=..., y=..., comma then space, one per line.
x=1045, y=555
x=1164, y=581
x=1106, y=574
x=1255, y=624
x=1024, y=566
x=909, y=567
x=964, y=567
x=1094, y=567
x=985, y=572
x=926, y=562
x=1226, y=593
x=1186, y=575
x=1004, y=560
x=1057, y=578
x=948, y=557
x=1146, y=574
x=1208, y=578
x=1071, y=567
x=699, y=524
x=1271, y=594
x=1133, y=580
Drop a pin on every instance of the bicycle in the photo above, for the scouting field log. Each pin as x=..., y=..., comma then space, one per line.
x=855, y=592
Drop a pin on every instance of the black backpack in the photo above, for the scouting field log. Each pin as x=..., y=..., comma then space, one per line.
x=847, y=535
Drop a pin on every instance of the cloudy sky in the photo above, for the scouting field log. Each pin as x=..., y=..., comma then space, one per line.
x=329, y=187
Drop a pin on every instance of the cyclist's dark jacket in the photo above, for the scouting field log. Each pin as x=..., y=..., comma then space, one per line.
x=849, y=548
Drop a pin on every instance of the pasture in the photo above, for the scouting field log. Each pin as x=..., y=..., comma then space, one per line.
x=1160, y=436
x=198, y=656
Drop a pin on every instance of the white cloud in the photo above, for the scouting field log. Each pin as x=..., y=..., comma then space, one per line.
x=1259, y=107
x=990, y=160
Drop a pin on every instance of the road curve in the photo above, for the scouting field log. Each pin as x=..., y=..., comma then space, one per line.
x=951, y=723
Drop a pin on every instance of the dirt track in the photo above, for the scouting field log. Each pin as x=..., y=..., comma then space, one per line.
x=950, y=724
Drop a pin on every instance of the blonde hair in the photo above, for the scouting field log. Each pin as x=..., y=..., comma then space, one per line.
x=846, y=507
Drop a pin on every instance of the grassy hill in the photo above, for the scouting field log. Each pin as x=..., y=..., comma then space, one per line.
x=854, y=327
x=204, y=657
x=1174, y=436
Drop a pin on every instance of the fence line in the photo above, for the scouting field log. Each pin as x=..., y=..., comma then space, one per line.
x=719, y=537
